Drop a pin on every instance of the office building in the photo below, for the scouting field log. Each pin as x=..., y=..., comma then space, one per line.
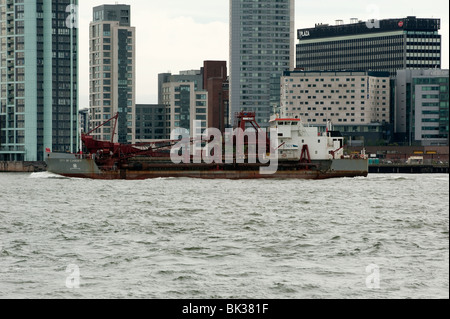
x=355, y=103
x=262, y=35
x=150, y=122
x=201, y=95
x=184, y=99
x=421, y=114
x=385, y=45
x=38, y=79
x=112, y=52
x=194, y=76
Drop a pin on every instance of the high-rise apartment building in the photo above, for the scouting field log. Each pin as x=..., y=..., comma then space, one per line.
x=185, y=100
x=112, y=51
x=201, y=95
x=422, y=108
x=262, y=35
x=384, y=45
x=38, y=78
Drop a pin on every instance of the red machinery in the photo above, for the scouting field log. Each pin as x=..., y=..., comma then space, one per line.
x=241, y=121
x=109, y=155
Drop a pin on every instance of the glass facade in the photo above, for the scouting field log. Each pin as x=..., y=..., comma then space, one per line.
x=112, y=73
x=262, y=48
x=150, y=122
x=183, y=106
x=184, y=99
x=397, y=44
x=431, y=113
x=39, y=84
x=422, y=114
x=384, y=53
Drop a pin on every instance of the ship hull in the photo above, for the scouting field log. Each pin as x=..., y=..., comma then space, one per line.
x=76, y=167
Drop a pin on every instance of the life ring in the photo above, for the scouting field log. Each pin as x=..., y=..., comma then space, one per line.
x=284, y=155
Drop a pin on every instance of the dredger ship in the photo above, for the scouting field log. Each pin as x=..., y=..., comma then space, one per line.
x=300, y=152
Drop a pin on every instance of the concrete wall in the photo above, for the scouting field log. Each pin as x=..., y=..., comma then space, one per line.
x=22, y=167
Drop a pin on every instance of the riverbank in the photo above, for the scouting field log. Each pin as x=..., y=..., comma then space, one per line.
x=400, y=154
x=22, y=167
x=408, y=169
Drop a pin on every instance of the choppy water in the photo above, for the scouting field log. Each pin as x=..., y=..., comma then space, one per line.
x=185, y=238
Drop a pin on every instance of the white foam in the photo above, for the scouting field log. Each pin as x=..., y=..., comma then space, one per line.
x=45, y=175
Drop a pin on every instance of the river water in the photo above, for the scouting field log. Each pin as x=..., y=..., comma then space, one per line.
x=383, y=237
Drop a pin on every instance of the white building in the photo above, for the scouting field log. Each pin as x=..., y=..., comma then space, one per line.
x=353, y=98
x=356, y=103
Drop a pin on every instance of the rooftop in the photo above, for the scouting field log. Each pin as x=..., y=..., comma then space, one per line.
x=300, y=72
x=113, y=12
x=358, y=27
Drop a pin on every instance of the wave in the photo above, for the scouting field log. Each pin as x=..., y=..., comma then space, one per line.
x=391, y=177
x=400, y=178
x=46, y=175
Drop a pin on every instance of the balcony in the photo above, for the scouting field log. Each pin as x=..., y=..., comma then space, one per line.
x=12, y=149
